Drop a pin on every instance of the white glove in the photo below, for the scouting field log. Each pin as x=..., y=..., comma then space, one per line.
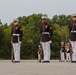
x=50, y=42
x=11, y=42
x=20, y=42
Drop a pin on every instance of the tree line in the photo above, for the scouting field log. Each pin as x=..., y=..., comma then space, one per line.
x=31, y=35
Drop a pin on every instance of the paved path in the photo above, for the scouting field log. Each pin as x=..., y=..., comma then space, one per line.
x=32, y=67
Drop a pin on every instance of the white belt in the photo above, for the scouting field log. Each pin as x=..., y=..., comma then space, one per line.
x=73, y=31
x=45, y=33
x=16, y=34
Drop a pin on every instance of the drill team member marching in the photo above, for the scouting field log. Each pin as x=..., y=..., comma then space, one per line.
x=46, y=38
x=72, y=29
x=16, y=40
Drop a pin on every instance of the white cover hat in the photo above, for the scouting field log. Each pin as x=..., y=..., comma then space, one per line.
x=44, y=17
x=73, y=15
x=15, y=20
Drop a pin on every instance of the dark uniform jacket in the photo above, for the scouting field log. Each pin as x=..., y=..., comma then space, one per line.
x=46, y=33
x=72, y=29
x=16, y=33
x=62, y=49
x=68, y=51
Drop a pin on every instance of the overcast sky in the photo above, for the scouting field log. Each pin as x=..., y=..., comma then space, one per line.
x=11, y=9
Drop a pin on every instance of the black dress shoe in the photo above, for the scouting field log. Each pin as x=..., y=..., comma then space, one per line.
x=67, y=61
x=62, y=61
x=46, y=62
x=73, y=61
x=16, y=61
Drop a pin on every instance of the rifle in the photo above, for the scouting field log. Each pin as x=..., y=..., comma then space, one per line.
x=39, y=53
x=12, y=50
x=71, y=52
x=12, y=54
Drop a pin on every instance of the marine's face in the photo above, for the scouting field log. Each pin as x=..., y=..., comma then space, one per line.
x=74, y=18
x=15, y=23
x=44, y=21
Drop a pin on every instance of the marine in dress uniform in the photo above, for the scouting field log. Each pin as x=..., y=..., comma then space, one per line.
x=16, y=40
x=72, y=29
x=46, y=38
x=62, y=52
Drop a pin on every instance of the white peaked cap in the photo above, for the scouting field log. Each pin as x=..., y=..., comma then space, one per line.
x=15, y=20
x=44, y=17
x=62, y=42
x=73, y=15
